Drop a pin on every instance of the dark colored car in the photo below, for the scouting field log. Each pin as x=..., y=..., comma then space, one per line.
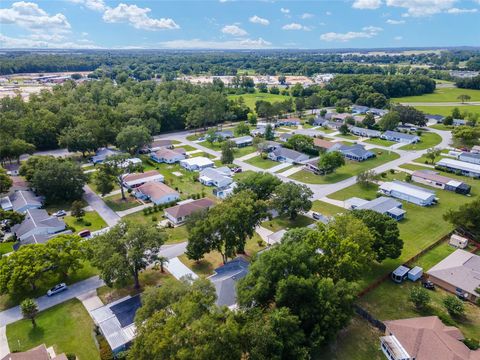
x=84, y=233
x=237, y=170
x=427, y=284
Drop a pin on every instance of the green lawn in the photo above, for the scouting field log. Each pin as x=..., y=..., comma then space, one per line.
x=380, y=142
x=186, y=147
x=116, y=203
x=441, y=95
x=348, y=136
x=239, y=152
x=283, y=222
x=351, y=168
x=251, y=99
x=447, y=110
x=427, y=140
x=67, y=327
x=96, y=221
x=261, y=163
x=6, y=247
x=326, y=209
x=284, y=169
x=442, y=127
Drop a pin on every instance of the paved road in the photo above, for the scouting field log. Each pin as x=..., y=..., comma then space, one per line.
x=14, y=314
x=97, y=204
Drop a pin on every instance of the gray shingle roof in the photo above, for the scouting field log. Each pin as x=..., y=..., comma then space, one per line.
x=287, y=153
x=225, y=280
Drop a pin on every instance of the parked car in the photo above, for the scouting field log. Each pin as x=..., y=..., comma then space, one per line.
x=60, y=213
x=57, y=289
x=316, y=216
x=427, y=284
x=84, y=233
x=237, y=170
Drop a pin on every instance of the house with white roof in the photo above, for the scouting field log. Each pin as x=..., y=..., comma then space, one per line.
x=196, y=163
x=456, y=166
x=400, y=137
x=408, y=192
x=156, y=192
x=365, y=132
x=218, y=177
x=133, y=180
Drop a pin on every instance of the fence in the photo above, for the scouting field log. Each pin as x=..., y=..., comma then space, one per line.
x=369, y=317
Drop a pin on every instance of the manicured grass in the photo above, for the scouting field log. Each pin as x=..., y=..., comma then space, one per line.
x=348, y=136
x=61, y=205
x=149, y=277
x=283, y=222
x=177, y=234
x=116, y=203
x=441, y=95
x=427, y=140
x=447, y=110
x=327, y=209
x=239, y=152
x=96, y=221
x=380, y=142
x=203, y=154
x=261, y=163
x=351, y=168
x=423, y=160
x=284, y=169
x=186, y=147
x=6, y=247
x=251, y=99
x=379, y=301
x=442, y=127
x=67, y=327
x=327, y=130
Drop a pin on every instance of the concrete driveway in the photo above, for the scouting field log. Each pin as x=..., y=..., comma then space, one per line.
x=97, y=204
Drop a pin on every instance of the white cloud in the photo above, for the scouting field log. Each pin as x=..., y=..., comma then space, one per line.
x=7, y=42
x=258, y=20
x=398, y=38
x=461, y=11
x=295, y=26
x=367, y=4
x=307, y=16
x=234, y=30
x=30, y=16
x=138, y=18
x=367, y=32
x=211, y=44
x=395, y=22
x=96, y=5
x=419, y=8
x=328, y=13
x=285, y=11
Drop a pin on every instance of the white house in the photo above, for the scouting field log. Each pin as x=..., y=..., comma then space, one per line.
x=169, y=156
x=410, y=193
x=156, y=192
x=218, y=177
x=400, y=137
x=134, y=180
x=196, y=163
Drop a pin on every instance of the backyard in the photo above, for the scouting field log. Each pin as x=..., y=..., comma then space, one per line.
x=51, y=331
x=351, y=168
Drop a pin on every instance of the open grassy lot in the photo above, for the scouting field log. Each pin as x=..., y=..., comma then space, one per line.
x=379, y=301
x=116, y=203
x=380, y=142
x=351, y=168
x=92, y=217
x=68, y=327
x=261, y=163
x=251, y=99
x=447, y=110
x=441, y=95
x=326, y=209
x=185, y=147
x=239, y=152
x=427, y=140
x=283, y=222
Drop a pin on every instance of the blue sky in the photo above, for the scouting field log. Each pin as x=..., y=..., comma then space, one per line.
x=238, y=24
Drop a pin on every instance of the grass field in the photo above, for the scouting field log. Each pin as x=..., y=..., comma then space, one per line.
x=447, y=110
x=326, y=209
x=96, y=222
x=351, y=168
x=441, y=95
x=116, y=203
x=348, y=137
x=427, y=140
x=67, y=327
x=6, y=247
x=251, y=99
x=239, y=152
x=380, y=142
x=261, y=163
x=283, y=222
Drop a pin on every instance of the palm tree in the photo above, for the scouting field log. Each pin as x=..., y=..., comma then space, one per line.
x=162, y=261
x=29, y=310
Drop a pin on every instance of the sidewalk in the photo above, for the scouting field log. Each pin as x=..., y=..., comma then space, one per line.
x=4, y=349
x=133, y=210
x=248, y=156
x=291, y=171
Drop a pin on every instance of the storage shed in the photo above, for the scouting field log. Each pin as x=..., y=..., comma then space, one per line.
x=458, y=241
x=400, y=274
x=415, y=274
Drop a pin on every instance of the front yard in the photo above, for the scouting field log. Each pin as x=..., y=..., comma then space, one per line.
x=351, y=168
x=68, y=327
x=261, y=163
x=380, y=142
x=427, y=140
x=283, y=222
x=116, y=203
x=91, y=221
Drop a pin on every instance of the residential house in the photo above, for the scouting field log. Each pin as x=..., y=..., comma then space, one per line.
x=196, y=163
x=333, y=124
x=400, y=137
x=355, y=152
x=157, y=145
x=473, y=158
x=382, y=205
x=169, y=156
x=178, y=214
x=276, y=237
x=268, y=145
x=37, y=222
x=364, y=132
x=458, y=273
x=408, y=192
x=438, y=119
x=133, y=180
x=225, y=191
x=224, y=134
x=259, y=131
x=102, y=154
x=312, y=166
x=225, y=281
x=459, y=122
x=320, y=121
x=284, y=137
x=424, y=338
x=116, y=322
x=323, y=144
x=341, y=117
x=359, y=109
x=462, y=167
x=287, y=155
x=432, y=178
x=242, y=141
x=39, y=352
x=156, y=192
x=377, y=112
x=475, y=149
x=20, y=201
x=289, y=122
x=218, y=177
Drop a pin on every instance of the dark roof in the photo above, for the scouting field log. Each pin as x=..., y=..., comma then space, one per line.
x=225, y=280
x=126, y=310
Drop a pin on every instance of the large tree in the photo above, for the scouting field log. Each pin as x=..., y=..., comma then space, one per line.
x=125, y=250
x=410, y=115
x=262, y=184
x=68, y=253
x=330, y=161
x=81, y=138
x=29, y=310
x=132, y=138
x=466, y=136
x=291, y=198
x=389, y=121
x=466, y=218
x=227, y=152
x=387, y=242
x=226, y=227
x=5, y=181
x=302, y=143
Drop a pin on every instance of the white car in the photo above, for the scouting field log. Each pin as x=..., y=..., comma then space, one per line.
x=60, y=213
x=57, y=289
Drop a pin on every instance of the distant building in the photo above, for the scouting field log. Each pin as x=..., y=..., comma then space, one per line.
x=400, y=137
x=225, y=191
x=432, y=178
x=359, y=109
x=242, y=141
x=462, y=167
x=285, y=136
x=224, y=134
x=410, y=193
x=364, y=132
x=102, y=154
x=438, y=119
x=289, y=122
x=459, y=122
x=157, y=145
x=382, y=205
x=323, y=144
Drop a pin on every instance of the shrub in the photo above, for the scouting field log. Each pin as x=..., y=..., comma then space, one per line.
x=87, y=223
x=105, y=351
x=419, y=297
x=383, y=174
x=454, y=306
x=392, y=171
x=71, y=356
x=129, y=190
x=472, y=344
x=260, y=243
x=145, y=211
x=408, y=178
x=154, y=218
